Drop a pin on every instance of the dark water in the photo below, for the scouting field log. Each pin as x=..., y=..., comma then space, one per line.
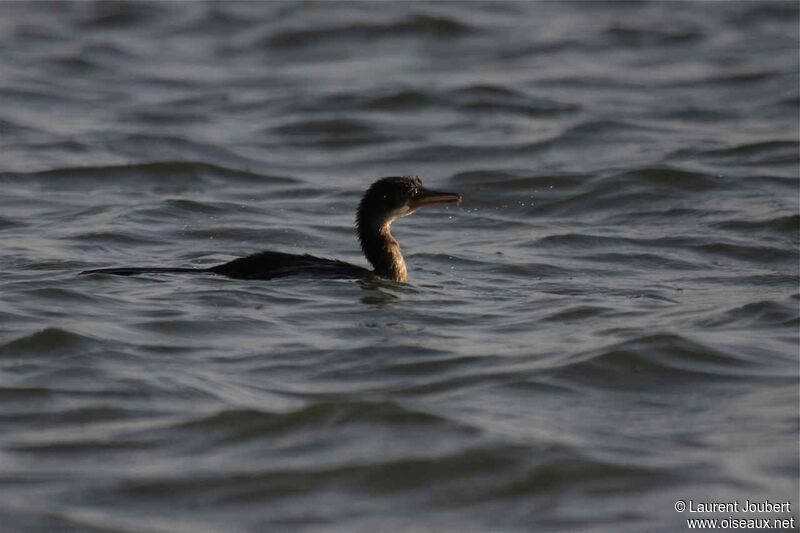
x=607, y=324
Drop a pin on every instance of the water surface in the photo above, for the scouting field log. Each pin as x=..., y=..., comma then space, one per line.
x=606, y=324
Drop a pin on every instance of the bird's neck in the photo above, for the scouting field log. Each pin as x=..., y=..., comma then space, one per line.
x=383, y=252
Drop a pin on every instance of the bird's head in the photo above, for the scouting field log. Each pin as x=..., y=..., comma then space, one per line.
x=390, y=198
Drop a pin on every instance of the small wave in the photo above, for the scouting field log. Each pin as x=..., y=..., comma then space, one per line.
x=761, y=153
x=644, y=261
x=438, y=367
x=527, y=270
x=22, y=393
x=399, y=100
x=427, y=471
x=652, y=36
x=531, y=270
x=556, y=45
x=603, y=200
x=783, y=225
x=445, y=151
x=337, y=127
x=331, y=130
x=155, y=117
x=651, y=186
x=542, y=108
x=598, y=130
x=753, y=14
x=739, y=250
x=792, y=103
x=124, y=238
x=173, y=209
x=487, y=91
x=417, y=26
x=6, y=223
x=159, y=171
x=212, y=19
x=59, y=295
x=753, y=148
x=505, y=180
x=42, y=33
x=784, y=280
x=582, y=312
x=744, y=252
x=276, y=236
x=591, y=82
x=562, y=467
x=655, y=361
x=673, y=178
x=193, y=206
x=375, y=100
x=497, y=98
x=13, y=127
x=583, y=241
x=763, y=313
x=99, y=445
x=726, y=79
x=677, y=213
x=49, y=341
x=117, y=15
x=199, y=103
x=44, y=96
x=333, y=133
x=697, y=114
x=472, y=98
x=237, y=424
x=73, y=64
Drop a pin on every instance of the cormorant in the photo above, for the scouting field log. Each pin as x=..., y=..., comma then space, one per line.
x=385, y=201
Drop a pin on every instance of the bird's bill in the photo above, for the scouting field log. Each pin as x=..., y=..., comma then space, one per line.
x=425, y=198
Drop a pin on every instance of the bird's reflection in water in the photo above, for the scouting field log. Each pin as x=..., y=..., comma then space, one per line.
x=383, y=294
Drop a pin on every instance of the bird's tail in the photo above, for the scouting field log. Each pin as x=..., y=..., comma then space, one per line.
x=145, y=270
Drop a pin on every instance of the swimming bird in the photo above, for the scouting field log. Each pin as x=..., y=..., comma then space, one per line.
x=385, y=201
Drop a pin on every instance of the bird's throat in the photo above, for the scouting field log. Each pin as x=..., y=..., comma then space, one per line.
x=382, y=250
